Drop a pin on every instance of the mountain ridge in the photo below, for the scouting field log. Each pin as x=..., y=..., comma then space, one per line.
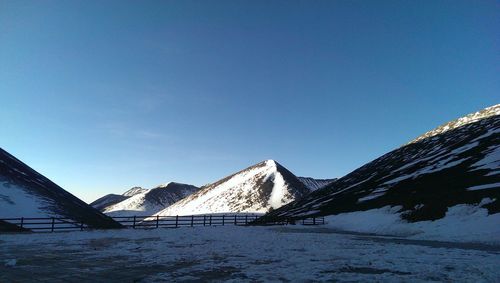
x=424, y=178
x=316, y=184
x=255, y=189
x=148, y=202
x=453, y=124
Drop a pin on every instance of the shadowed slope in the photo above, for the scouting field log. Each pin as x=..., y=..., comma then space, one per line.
x=26, y=193
x=455, y=166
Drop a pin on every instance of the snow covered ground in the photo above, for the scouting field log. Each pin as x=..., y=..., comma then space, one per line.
x=240, y=254
x=462, y=223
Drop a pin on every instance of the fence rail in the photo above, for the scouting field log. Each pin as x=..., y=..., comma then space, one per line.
x=53, y=224
x=156, y=221
x=290, y=221
x=49, y=224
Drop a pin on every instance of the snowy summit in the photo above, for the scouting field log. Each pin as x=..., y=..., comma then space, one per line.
x=256, y=189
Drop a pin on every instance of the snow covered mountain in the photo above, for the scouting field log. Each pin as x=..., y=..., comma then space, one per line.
x=112, y=199
x=316, y=184
x=256, y=189
x=455, y=164
x=107, y=200
x=143, y=202
x=26, y=193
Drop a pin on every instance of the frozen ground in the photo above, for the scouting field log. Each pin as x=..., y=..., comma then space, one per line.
x=240, y=254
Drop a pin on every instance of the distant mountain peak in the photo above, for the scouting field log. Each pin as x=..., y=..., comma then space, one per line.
x=140, y=201
x=255, y=189
x=133, y=191
x=316, y=184
x=166, y=185
x=170, y=184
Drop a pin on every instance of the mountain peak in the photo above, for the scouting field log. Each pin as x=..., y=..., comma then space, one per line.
x=255, y=189
x=171, y=186
x=271, y=163
x=134, y=191
x=164, y=185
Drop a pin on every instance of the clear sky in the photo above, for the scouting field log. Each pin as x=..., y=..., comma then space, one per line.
x=100, y=96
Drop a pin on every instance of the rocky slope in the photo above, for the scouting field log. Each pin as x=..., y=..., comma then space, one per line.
x=470, y=118
x=316, y=184
x=458, y=163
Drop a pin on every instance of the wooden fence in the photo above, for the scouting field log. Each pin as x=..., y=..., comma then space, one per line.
x=49, y=224
x=183, y=221
x=290, y=221
x=53, y=224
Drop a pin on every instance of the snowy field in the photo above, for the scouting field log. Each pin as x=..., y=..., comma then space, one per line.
x=240, y=254
x=462, y=223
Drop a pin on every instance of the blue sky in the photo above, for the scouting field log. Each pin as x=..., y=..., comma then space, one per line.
x=100, y=96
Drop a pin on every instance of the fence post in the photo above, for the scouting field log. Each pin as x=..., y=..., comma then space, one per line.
x=223, y=219
x=314, y=220
x=22, y=222
x=210, y=219
x=204, y=219
x=192, y=220
x=53, y=222
x=176, y=220
x=133, y=225
x=246, y=219
x=235, y=221
x=157, y=220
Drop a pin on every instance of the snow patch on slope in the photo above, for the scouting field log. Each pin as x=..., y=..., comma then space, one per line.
x=462, y=223
x=484, y=187
x=491, y=161
x=134, y=205
x=278, y=197
x=15, y=202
